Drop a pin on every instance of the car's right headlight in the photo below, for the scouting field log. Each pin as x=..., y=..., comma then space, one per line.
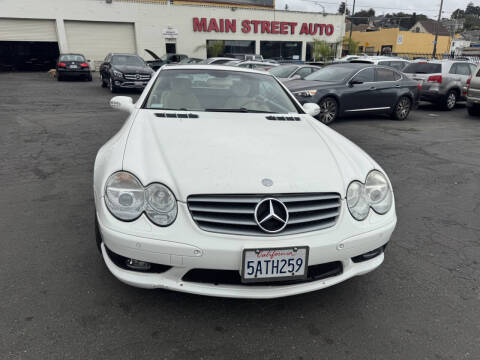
x=306, y=93
x=117, y=73
x=375, y=193
x=127, y=199
x=124, y=196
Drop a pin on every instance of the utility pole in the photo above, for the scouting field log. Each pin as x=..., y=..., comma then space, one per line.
x=351, y=24
x=434, y=54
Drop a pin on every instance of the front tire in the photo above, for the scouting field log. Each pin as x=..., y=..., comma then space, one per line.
x=98, y=235
x=450, y=100
x=473, y=110
x=328, y=110
x=402, y=108
x=112, y=87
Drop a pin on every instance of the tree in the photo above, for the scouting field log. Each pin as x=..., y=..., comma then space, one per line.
x=350, y=45
x=362, y=16
x=458, y=14
x=214, y=48
x=322, y=50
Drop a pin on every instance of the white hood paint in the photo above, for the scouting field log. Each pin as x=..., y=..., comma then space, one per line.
x=230, y=153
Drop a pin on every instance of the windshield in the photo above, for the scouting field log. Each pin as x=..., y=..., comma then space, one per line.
x=330, y=73
x=72, y=58
x=130, y=60
x=218, y=90
x=282, y=71
x=423, y=68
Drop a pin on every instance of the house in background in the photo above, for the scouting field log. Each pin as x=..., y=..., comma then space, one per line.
x=430, y=27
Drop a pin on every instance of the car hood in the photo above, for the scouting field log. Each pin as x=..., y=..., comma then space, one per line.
x=133, y=69
x=296, y=85
x=230, y=153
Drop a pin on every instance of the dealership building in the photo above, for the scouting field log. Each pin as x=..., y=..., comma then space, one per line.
x=33, y=32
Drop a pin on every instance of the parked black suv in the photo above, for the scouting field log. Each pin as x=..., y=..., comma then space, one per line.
x=124, y=71
x=73, y=65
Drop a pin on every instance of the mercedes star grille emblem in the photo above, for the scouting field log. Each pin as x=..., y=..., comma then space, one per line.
x=271, y=215
x=138, y=76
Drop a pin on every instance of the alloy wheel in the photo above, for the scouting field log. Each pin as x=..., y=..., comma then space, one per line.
x=451, y=100
x=328, y=110
x=403, y=108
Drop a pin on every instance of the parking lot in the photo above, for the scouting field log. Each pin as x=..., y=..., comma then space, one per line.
x=59, y=301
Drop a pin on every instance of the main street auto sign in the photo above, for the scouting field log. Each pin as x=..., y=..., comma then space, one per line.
x=261, y=26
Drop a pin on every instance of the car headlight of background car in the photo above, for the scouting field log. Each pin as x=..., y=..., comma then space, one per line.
x=126, y=198
x=375, y=194
x=306, y=93
x=117, y=73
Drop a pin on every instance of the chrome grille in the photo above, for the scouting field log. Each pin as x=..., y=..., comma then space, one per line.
x=138, y=77
x=234, y=214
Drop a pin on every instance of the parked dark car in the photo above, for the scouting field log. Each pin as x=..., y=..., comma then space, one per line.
x=73, y=66
x=158, y=62
x=124, y=71
x=345, y=89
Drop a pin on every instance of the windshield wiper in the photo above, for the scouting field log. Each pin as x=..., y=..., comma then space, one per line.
x=242, y=110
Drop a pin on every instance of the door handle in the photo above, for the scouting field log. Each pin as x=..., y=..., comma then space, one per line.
x=397, y=86
x=373, y=88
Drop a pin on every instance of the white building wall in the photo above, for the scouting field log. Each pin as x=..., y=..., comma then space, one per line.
x=150, y=19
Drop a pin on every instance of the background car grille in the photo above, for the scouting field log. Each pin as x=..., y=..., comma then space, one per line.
x=234, y=214
x=141, y=77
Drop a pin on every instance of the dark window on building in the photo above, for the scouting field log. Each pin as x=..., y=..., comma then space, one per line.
x=228, y=47
x=281, y=50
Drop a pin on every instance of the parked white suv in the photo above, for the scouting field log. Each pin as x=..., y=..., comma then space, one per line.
x=394, y=62
x=442, y=81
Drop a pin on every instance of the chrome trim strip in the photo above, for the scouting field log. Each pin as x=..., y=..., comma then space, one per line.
x=370, y=109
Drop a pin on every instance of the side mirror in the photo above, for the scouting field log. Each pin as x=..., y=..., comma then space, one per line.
x=355, y=82
x=296, y=77
x=123, y=103
x=311, y=109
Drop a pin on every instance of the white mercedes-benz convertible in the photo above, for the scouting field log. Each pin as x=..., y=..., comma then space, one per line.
x=220, y=183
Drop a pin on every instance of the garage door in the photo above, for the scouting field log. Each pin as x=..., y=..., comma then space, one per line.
x=27, y=30
x=96, y=39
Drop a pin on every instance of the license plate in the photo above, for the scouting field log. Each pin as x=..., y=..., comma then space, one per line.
x=138, y=83
x=274, y=264
x=73, y=66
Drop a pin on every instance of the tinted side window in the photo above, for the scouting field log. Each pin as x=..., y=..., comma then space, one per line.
x=399, y=65
x=385, y=75
x=453, y=69
x=472, y=68
x=367, y=75
x=303, y=72
x=463, y=69
x=423, y=68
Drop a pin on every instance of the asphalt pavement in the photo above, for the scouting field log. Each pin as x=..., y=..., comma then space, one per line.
x=58, y=300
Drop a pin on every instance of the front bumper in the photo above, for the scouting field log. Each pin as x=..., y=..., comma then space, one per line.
x=184, y=247
x=129, y=84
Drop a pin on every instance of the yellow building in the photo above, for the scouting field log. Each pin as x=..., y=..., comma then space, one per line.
x=399, y=42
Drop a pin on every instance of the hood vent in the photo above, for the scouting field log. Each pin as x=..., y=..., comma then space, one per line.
x=283, y=118
x=177, y=115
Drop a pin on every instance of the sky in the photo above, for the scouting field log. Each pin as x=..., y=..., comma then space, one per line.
x=427, y=7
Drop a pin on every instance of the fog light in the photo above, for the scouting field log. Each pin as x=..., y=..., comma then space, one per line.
x=117, y=82
x=138, y=265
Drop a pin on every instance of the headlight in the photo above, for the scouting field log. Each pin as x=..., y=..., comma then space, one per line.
x=117, y=73
x=375, y=194
x=124, y=196
x=306, y=93
x=161, y=204
x=378, y=192
x=356, y=201
x=127, y=199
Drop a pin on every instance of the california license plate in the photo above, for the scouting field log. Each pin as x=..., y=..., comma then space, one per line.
x=274, y=264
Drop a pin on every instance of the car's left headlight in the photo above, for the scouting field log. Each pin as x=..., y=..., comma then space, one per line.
x=375, y=193
x=306, y=93
x=117, y=73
